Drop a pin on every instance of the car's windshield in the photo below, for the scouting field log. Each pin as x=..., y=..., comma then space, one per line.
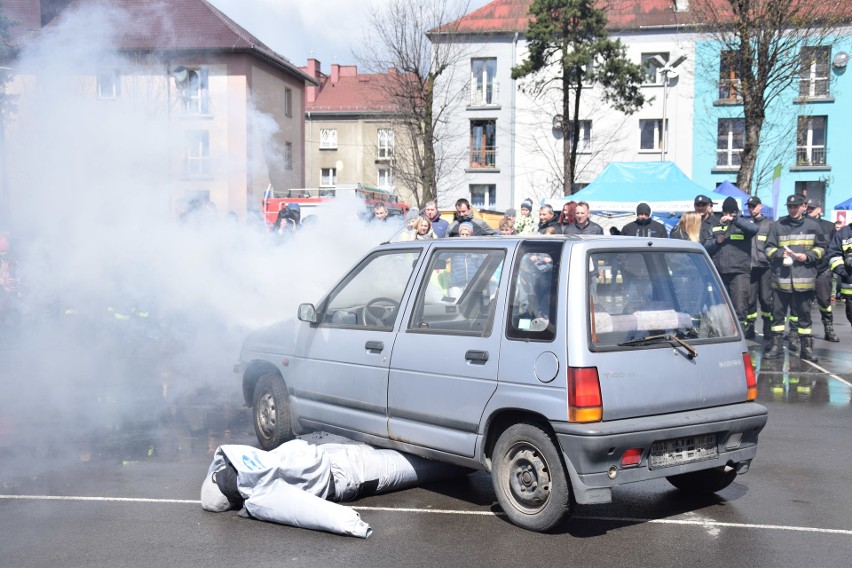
x=637, y=294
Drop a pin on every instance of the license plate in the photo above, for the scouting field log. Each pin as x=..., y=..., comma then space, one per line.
x=678, y=451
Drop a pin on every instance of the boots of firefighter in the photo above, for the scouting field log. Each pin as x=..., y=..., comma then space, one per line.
x=748, y=329
x=776, y=348
x=767, y=330
x=808, y=349
x=829, y=332
x=793, y=340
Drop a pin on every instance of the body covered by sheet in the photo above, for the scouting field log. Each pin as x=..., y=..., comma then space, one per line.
x=298, y=482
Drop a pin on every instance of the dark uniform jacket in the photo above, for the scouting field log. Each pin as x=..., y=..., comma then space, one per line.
x=840, y=259
x=733, y=255
x=828, y=231
x=758, y=243
x=648, y=228
x=802, y=235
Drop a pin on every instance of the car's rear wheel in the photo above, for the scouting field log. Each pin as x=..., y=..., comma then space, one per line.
x=529, y=477
x=703, y=482
x=271, y=412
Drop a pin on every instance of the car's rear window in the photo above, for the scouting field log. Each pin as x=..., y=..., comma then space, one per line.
x=639, y=294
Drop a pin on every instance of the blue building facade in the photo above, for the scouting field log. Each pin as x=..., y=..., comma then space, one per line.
x=806, y=130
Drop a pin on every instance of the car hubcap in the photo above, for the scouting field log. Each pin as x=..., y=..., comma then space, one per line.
x=266, y=414
x=528, y=477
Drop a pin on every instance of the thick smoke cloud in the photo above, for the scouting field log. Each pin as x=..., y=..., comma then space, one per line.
x=128, y=315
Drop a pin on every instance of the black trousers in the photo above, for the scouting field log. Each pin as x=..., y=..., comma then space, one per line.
x=798, y=303
x=760, y=288
x=823, y=295
x=738, y=289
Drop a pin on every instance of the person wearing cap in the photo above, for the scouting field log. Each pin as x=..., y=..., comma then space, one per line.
x=729, y=245
x=794, y=246
x=840, y=262
x=703, y=205
x=760, y=281
x=582, y=225
x=822, y=291
x=525, y=224
x=644, y=226
x=464, y=214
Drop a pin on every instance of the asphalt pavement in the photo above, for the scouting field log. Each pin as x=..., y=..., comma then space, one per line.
x=104, y=487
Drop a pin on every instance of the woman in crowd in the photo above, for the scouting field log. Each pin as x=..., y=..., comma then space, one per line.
x=688, y=228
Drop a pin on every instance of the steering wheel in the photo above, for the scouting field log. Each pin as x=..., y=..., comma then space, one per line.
x=380, y=312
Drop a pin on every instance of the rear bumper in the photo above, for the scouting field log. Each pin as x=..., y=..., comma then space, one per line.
x=592, y=450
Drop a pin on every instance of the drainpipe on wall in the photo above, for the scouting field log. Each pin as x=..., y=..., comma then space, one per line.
x=309, y=181
x=512, y=135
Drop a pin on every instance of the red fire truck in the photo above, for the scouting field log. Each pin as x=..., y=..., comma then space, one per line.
x=310, y=199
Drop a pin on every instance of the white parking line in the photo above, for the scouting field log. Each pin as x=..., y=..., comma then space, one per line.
x=700, y=523
x=829, y=373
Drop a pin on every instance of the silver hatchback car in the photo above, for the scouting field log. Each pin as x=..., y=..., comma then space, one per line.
x=562, y=365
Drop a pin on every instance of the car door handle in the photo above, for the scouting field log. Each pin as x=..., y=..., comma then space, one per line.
x=374, y=346
x=478, y=356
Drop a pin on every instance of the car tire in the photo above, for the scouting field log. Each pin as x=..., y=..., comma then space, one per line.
x=271, y=412
x=703, y=482
x=529, y=478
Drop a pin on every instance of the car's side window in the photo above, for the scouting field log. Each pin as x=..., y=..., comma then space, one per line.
x=534, y=293
x=459, y=293
x=370, y=296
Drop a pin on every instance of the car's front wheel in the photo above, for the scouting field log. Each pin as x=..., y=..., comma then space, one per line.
x=704, y=482
x=271, y=412
x=529, y=477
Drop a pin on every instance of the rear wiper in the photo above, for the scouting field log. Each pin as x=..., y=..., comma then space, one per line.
x=665, y=337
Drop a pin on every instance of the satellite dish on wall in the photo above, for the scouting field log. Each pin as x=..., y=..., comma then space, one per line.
x=840, y=60
x=557, y=122
x=180, y=74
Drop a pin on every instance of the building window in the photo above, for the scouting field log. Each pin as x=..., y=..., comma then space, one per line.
x=288, y=155
x=730, y=142
x=483, y=143
x=810, y=141
x=197, y=158
x=483, y=195
x=192, y=88
x=584, y=142
x=651, y=134
x=385, y=178
x=109, y=84
x=328, y=177
x=813, y=72
x=729, y=80
x=328, y=139
x=386, y=143
x=651, y=64
x=811, y=189
x=288, y=102
x=483, y=87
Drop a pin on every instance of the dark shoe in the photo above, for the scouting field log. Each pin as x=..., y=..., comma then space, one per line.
x=808, y=349
x=776, y=348
x=793, y=341
x=749, y=331
x=829, y=332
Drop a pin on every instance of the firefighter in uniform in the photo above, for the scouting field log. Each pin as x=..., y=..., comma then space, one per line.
x=729, y=245
x=760, y=286
x=794, y=246
x=840, y=262
x=823, y=279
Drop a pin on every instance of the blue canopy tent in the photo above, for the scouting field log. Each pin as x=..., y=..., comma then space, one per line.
x=729, y=189
x=621, y=186
x=844, y=206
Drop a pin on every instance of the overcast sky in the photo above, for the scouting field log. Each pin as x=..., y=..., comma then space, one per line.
x=298, y=29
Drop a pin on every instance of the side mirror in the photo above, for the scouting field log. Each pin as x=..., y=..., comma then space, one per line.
x=308, y=313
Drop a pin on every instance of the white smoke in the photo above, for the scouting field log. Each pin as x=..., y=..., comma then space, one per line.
x=127, y=311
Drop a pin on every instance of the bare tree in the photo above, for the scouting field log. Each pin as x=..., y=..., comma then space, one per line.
x=764, y=50
x=397, y=43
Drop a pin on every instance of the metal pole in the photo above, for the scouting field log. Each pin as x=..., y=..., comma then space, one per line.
x=665, y=126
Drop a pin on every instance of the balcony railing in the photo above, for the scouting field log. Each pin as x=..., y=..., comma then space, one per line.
x=810, y=156
x=485, y=96
x=730, y=90
x=483, y=158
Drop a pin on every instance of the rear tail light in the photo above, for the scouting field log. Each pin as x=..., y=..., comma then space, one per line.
x=631, y=457
x=751, y=378
x=584, y=395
